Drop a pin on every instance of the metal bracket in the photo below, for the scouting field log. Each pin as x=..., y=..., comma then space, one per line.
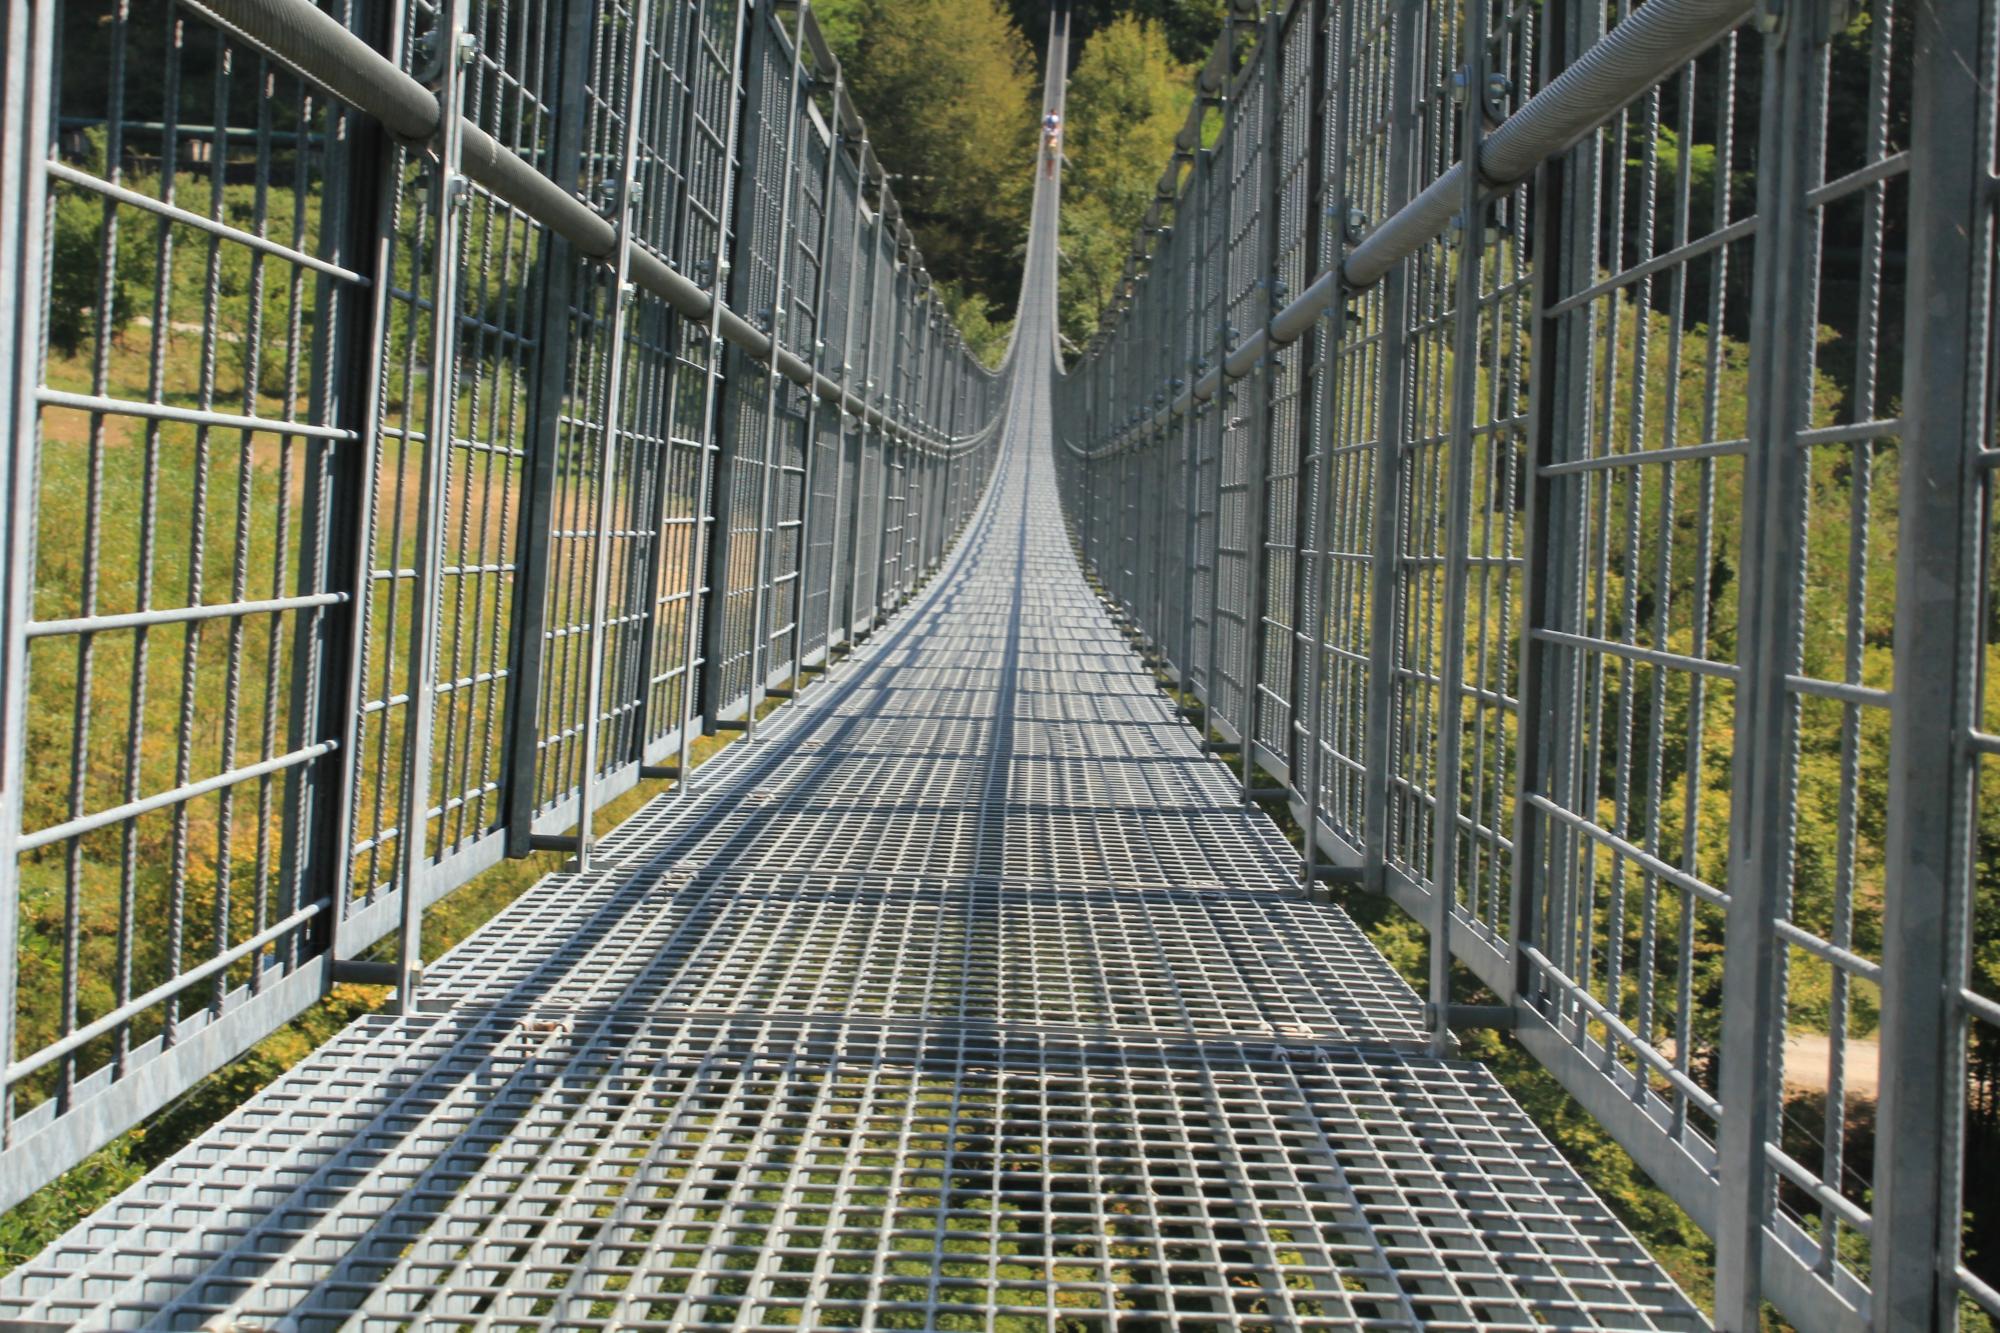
x=430, y=50
x=1468, y=1017
x=362, y=972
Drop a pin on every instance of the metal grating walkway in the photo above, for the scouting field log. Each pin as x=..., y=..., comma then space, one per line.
x=967, y=995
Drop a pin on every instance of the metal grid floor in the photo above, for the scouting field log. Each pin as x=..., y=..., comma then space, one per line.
x=965, y=996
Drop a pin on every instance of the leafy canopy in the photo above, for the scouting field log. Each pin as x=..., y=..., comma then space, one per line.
x=947, y=88
x=1128, y=97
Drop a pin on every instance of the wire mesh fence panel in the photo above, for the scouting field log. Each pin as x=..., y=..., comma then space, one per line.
x=1640, y=641
x=895, y=508
x=593, y=475
x=1287, y=481
x=1360, y=70
x=702, y=87
x=181, y=448
x=363, y=503
x=740, y=542
x=1424, y=320
x=1481, y=467
x=1200, y=429
x=801, y=568
x=1634, y=478
x=1241, y=444
x=827, y=548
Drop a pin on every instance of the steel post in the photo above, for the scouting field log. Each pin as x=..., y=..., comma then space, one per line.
x=760, y=637
x=646, y=730
x=838, y=613
x=26, y=133
x=559, y=264
x=1385, y=621
x=821, y=286
x=1329, y=152
x=700, y=583
x=1262, y=446
x=440, y=426
x=1928, y=923
x=1770, y=607
x=624, y=296
x=1448, y=781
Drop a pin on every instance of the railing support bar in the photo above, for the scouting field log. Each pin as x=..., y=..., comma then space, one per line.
x=1933, y=815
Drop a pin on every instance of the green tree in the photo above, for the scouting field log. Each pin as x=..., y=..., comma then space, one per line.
x=1128, y=97
x=1190, y=26
x=947, y=89
x=973, y=313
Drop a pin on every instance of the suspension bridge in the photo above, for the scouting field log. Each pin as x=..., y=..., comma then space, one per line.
x=1540, y=447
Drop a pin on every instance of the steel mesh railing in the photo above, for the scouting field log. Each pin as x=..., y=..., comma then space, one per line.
x=1591, y=548
x=390, y=490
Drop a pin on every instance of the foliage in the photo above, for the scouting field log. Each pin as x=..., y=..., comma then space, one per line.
x=1190, y=26
x=77, y=273
x=232, y=278
x=972, y=312
x=1128, y=98
x=946, y=89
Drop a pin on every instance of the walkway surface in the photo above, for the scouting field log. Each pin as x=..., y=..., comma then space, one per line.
x=967, y=995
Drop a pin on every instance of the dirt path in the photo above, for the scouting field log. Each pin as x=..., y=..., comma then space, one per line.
x=1809, y=1064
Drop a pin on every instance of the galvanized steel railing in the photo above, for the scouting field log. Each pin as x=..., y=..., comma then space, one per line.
x=317, y=605
x=1553, y=444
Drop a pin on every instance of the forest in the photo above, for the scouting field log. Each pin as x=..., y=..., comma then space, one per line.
x=948, y=89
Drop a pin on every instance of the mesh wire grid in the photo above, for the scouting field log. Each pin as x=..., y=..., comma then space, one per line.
x=1620, y=669
x=602, y=1168
x=992, y=854
x=966, y=995
x=367, y=522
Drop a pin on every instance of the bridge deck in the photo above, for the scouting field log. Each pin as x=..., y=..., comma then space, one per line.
x=967, y=995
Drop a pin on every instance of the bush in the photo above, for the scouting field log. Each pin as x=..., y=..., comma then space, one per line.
x=76, y=270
